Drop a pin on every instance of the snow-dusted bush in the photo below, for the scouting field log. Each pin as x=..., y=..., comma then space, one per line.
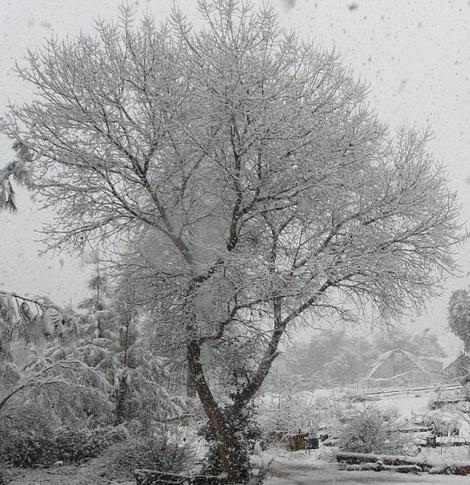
x=164, y=451
x=442, y=425
x=25, y=435
x=285, y=414
x=372, y=430
x=288, y=413
x=33, y=447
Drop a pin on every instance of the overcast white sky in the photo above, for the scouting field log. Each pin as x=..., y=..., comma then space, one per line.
x=414, y=53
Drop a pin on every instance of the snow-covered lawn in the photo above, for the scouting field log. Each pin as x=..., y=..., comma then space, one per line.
x=299, y=468
x=406, y=404
x=328, y=474
x=287, y=469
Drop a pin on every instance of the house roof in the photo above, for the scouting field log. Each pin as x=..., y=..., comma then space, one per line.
x=451, y=364
x=387, y=355
x=454, y=363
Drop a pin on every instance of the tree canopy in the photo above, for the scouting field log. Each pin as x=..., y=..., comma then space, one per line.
x=252, y=165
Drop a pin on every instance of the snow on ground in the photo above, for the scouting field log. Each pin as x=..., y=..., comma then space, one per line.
x=287, y=468
x=93, y=472
x=405, y=401
x=446, y=453
x=408, y=401
x=407, y=405
x=328, y=474
x=300, y=468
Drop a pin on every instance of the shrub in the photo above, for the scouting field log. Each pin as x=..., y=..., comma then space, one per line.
x=26, y=435
x=25, y=448
x=441, y=425
x=371, y=430
x=75, y=446
x=158, y=452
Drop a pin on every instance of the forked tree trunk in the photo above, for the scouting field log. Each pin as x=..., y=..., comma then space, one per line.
x=233, y=452
x=233, y=455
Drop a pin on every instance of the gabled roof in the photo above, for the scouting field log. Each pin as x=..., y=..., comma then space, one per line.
x=387, y=355
x=461, y=359
x=451, y=364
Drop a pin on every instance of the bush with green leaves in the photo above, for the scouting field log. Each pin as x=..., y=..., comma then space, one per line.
x=368, y=429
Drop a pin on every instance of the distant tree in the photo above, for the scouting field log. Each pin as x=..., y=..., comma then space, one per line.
x=425, y=343
x=332, y=358
x=336, y=358
x=271, y=190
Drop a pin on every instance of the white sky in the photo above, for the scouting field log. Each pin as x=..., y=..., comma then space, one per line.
x=414, y=53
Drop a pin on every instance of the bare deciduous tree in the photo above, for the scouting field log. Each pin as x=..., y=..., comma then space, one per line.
x=252, y=162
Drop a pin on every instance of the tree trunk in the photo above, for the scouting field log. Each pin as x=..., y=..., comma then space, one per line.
x=227, y=423
x=121, y=400
x=232, y=454
x=190, y=384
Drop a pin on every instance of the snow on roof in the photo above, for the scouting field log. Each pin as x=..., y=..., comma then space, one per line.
x=451, y=363
x=449, y=360
x=386, y=355
x=440, y=360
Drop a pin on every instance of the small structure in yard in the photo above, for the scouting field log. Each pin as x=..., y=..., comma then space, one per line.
x=402, y=368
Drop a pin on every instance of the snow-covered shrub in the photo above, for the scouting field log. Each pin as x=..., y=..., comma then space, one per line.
x=156, y=452
x=67, y=446
x=441, y=424
x=291, y=416
x=75, y=446
x=287, y=413
x=25, y=435
x=300, y=411
x=372, y=430
x=28, y=438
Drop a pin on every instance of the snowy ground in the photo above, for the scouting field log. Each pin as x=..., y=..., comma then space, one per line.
x=406, y=404
x=89, y=473
x=286, y=469
x=299, y=468
x=328, y=474
x=320, y=474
